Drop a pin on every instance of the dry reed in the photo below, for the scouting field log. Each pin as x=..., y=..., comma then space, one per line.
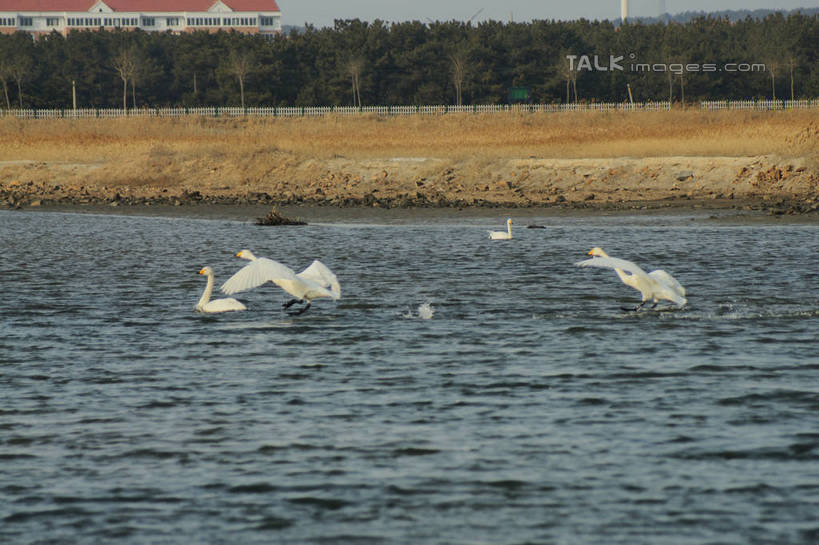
x=490, y=136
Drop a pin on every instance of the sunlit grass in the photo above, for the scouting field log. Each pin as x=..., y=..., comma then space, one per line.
x=489, y=136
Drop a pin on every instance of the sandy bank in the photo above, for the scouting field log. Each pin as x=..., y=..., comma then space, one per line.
x=728, y=159
x=784, y=184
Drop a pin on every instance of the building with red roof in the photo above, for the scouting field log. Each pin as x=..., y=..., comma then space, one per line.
x=44, y=16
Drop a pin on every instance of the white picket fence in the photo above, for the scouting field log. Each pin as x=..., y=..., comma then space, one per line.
x=759, y=104
x=308, y=111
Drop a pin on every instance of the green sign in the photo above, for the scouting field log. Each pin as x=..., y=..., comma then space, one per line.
x=518, y=94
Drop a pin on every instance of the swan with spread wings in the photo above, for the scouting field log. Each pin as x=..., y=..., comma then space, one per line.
x=315, y=282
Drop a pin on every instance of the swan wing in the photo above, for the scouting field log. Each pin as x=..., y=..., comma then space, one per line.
x=613, y=263
x=669, y=281
x=223, y=305
x=256, y=273
x=319, y=273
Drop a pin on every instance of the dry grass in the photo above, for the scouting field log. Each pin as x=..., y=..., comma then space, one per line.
x=571, y=135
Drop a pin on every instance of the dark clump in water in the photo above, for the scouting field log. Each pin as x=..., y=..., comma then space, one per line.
x=275, y=218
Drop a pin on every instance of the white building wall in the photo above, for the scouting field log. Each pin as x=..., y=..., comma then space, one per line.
x=59, y=21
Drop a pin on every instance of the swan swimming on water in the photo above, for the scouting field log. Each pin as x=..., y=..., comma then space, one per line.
x=654, y=286
x=314, y=282
x=502, y=235
x=217, y=305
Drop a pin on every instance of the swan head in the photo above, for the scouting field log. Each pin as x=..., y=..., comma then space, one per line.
x=509, y=221
x=246, y=254
x=597, y=252
x=206, y=270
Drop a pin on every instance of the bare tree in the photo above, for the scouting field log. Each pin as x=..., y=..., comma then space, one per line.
x=791, y=64
x=680, y=64
x=5, y=75
x=355, y=66
x=125, y=64
x=240, y=64
x=569, y=72
x=772, y=66
x=458, y=61
x=20, y=70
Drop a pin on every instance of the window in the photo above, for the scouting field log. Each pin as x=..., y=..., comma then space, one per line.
x=26, y=21
x=52, y=21
x=267, y=21
x=172, y=21
x=148, y=21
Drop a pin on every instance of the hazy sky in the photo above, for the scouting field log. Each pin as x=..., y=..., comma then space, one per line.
x=323, y=12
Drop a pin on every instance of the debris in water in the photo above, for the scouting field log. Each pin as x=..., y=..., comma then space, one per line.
x=274, y=218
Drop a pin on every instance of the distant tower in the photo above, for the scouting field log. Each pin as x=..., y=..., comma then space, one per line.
x=623, y=10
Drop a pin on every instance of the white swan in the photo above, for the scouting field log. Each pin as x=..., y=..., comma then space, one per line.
x=314, y=282
x=217, y=305
x=502, y=235
x=653, y=286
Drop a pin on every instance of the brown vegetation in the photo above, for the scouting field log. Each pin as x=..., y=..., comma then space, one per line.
x=517, y=159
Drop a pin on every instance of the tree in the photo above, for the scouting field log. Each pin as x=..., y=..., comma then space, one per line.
x=458, y=67
x=126, y=66
x=772, y=66
x=791, y=64
x=569, y=73
x=21, y=69
x=240, y=64
x=354, y=68
x=5, y=75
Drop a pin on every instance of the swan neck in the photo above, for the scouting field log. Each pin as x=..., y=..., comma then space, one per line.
x=206, y=294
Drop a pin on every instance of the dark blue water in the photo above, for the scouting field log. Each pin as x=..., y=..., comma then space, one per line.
x=529, y=409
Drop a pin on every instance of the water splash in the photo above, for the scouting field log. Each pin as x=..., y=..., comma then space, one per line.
x=425, y=312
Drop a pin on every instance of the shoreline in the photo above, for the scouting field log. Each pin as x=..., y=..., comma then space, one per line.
x=529, y=217
x=606, y=162
x=773, y=185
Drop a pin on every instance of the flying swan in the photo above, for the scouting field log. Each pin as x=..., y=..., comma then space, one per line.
x=314, y=282
x=217, y=305
x=502, y=235
x=653, y=286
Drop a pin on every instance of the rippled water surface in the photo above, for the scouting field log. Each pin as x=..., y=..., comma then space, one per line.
x=527, y=408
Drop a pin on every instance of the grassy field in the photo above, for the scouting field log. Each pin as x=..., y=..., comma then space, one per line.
x=563, y=135
x=515, y=158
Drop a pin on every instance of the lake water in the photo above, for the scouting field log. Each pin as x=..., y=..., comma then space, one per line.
x=530, y=408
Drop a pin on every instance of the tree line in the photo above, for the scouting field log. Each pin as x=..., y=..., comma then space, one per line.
x=414, y=63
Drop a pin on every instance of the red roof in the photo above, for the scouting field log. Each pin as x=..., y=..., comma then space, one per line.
x=136, y=5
